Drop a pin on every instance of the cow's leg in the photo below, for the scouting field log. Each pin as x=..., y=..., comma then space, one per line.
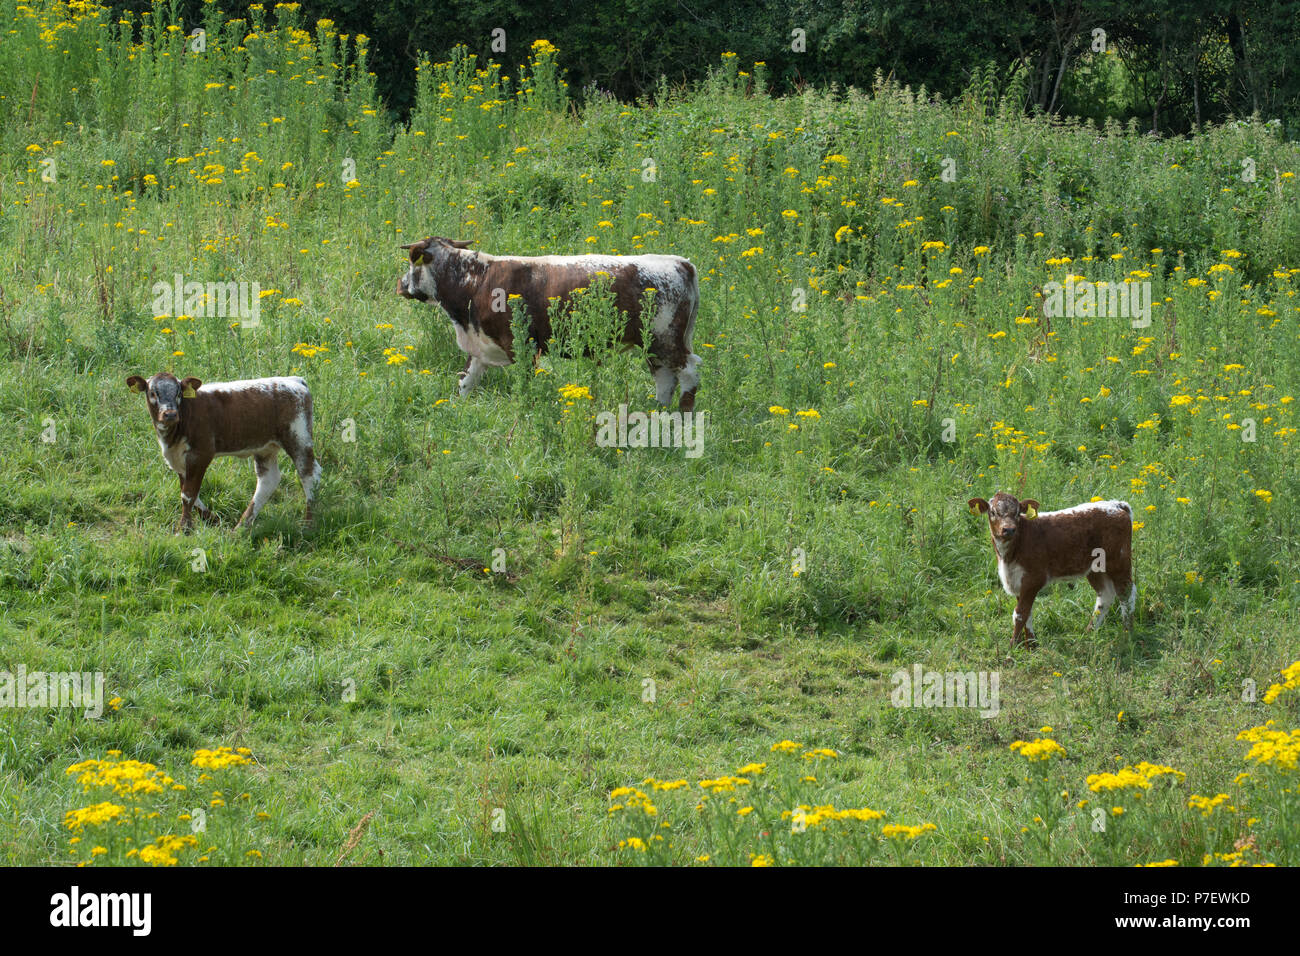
x=665, y=384
x=461, y=375
x=267, y=467
x=309, y=474
x=1128, y=603
x=473, y=372
x=190, y=484
x=1101, y=583
x=689, y=380
x=204, y=512
x=1022, y=617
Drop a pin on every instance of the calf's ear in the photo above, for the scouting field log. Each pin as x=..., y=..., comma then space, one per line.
x=190, y=387
x=1029, y=508
x=977, y=506
x=136, y=384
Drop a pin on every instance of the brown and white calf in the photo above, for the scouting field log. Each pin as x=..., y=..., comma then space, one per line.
x=1035, y=548
x=196, y=422
x=474, y=289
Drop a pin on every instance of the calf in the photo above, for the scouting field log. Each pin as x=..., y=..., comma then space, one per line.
x=261, y=417
x=474, y=289
x=1036, y=548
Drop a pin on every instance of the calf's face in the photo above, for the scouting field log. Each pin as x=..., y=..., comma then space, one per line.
x=1005, y=515
x=164, y=393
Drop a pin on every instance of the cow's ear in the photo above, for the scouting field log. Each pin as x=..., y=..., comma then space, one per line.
x=136, y=384
x=418, y=251
x=1029, y=508
x=977, y=506
x=460, y=243
x=190, y=387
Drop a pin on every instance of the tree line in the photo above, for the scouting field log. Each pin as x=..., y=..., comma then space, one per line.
x=1171, y=65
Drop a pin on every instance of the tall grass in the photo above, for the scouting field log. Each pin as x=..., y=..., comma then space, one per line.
x=875, y=353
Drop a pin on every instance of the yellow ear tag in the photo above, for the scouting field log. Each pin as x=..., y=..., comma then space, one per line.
x=136, y=388
x=972, y=509
x=188, y=392
x=1032, y=512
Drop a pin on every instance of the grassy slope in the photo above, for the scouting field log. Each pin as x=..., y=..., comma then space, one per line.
x=524, y=691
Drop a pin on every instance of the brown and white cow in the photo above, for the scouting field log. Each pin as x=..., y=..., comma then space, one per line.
x=1035, y=548
x=196, y=422
x=474, y=289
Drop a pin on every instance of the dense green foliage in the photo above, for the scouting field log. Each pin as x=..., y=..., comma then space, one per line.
x=875, y=353
x=1174, y=64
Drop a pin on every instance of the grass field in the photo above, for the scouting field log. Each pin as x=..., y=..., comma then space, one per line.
x=875, y=353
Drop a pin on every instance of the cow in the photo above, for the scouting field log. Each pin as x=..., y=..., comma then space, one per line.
x=474, y=289
x=1035, y=548
x=196, y=422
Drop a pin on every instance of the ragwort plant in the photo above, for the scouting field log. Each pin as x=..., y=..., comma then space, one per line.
x=141, y=815
x=773, y=813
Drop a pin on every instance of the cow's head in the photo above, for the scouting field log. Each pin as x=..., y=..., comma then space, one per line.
x=1005, y=514
x=430, y=261
x=164, y=392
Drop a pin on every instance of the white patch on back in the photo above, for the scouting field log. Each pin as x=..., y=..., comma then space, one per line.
x=1109, y=507
x=594, y=262
x=290, y=383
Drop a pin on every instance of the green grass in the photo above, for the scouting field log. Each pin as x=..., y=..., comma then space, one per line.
x=524, y=691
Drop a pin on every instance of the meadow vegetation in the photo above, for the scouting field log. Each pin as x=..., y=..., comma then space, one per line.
x=511, y=645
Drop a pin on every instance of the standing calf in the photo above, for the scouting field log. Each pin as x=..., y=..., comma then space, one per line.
x=195, y=423
x=474, y=289
x=1036, y=548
